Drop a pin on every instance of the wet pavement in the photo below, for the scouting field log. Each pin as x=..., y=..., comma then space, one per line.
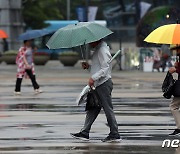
x=42, y=123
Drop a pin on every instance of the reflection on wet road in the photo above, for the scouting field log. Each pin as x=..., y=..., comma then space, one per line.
x=41, y=123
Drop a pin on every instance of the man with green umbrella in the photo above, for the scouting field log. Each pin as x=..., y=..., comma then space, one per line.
x=91, y=33
x=101, y=79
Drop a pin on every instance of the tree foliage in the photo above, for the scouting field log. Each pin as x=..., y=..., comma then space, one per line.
x=35, y=12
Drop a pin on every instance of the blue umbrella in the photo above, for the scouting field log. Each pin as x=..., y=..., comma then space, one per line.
x=32, y=34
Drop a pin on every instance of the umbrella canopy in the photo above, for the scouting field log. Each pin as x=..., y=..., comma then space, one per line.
x=167, y=34
x=3, y=34
x=32, y=34
x=77, y=34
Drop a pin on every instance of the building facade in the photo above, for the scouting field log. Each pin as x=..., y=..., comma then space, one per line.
x=11, y=21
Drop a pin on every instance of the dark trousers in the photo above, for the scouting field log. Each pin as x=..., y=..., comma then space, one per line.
x=104, y=92
x=33, y=80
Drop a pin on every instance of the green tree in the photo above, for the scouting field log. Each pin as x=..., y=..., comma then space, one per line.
x=35, y=12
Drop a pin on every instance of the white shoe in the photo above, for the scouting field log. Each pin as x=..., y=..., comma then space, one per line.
x=37, y=91
x=17, y=92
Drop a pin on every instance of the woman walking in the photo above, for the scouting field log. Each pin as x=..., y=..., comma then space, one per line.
x=24, y=61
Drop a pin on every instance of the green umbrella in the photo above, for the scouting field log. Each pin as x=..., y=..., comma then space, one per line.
x=77, y=34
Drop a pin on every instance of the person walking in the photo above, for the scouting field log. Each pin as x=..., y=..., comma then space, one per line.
x=5, y=45
x=156, y=58
x=24, y=61
x=175, y=103
x=101, y=79
x=166, y=57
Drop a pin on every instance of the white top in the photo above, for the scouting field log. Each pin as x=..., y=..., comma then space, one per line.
x=29, y=55
x=101, y=68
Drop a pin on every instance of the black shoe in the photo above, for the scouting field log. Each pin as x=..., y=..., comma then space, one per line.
x=176, y=132
x=80, y=136
x=110, y=139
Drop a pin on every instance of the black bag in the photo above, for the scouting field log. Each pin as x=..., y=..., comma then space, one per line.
x=176, y=88
x=93, y=100
x=169, y=90
x=168, y=86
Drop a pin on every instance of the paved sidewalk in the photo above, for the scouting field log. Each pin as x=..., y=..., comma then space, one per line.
x=41, y=123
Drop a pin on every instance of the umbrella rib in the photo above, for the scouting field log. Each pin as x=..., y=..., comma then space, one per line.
x=91, y=34
x=82, y=52
x=104, y=35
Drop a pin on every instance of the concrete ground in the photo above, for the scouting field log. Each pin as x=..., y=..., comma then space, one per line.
x=42, y=123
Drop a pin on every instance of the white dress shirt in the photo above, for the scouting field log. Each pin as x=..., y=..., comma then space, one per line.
x=100, y=68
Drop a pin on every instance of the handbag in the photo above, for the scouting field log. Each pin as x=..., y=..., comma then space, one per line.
x=169, y=91
x=168, y=86
x=93, y=100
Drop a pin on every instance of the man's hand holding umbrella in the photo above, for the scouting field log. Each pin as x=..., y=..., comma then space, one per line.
x=85, y=65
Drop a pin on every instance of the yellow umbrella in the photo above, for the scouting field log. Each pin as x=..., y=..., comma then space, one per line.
x=167, y=34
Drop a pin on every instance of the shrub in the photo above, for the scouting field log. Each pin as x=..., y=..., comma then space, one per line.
x=10, y=52
x=68, y=53
x=41, y=53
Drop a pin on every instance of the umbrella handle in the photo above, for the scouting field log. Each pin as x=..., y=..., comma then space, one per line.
x=85, y=49
x=82, y=53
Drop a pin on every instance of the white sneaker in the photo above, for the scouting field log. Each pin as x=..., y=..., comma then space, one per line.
x=37, y=91
x=17, y=92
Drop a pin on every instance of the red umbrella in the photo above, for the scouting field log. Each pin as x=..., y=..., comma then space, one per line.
x=3, y=34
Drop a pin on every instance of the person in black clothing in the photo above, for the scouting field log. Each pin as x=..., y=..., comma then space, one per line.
x=5, y=45
x=175, y=104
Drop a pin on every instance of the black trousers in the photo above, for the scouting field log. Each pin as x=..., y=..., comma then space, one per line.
x=31, y=76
